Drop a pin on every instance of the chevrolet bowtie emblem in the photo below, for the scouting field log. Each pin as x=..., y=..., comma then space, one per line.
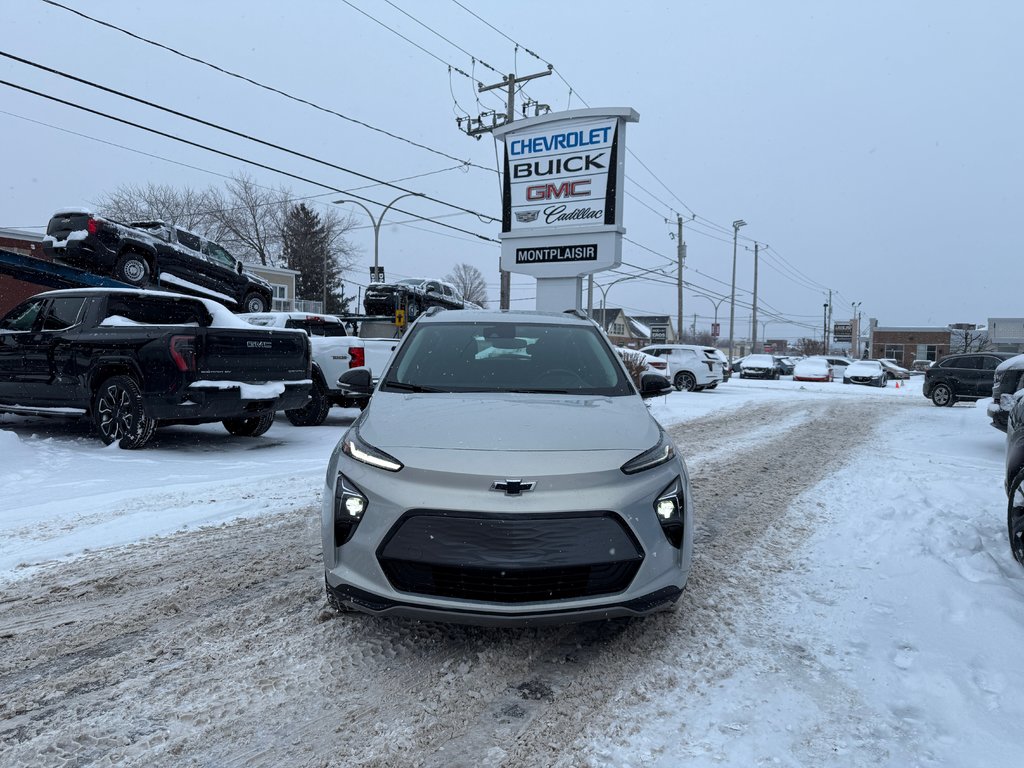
x=512, y=487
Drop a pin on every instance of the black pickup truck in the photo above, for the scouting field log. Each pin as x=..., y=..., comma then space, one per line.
x=133, y=360
x=150, y=253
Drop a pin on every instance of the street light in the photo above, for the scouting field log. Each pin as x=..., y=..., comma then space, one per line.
x=732, y=296
x=716, y=303
x=855, y=330
x=376, y=225
x=607, y=286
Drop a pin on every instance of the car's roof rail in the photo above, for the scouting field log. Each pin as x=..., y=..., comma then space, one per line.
x=431, y=311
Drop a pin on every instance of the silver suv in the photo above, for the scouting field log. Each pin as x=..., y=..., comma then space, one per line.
x=691, y=366
x=506, y=471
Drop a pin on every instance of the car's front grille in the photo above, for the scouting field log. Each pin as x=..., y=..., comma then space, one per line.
x=523, y=585
x=510, y=558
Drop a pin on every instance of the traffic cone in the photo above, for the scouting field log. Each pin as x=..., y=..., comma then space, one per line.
x=897, y=383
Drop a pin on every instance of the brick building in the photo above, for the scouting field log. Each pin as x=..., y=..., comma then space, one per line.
x=905, y=345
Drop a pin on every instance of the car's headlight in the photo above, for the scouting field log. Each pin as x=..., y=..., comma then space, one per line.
x=349, y=506
x=669, y=508
x=661, y=452
x=354, y=447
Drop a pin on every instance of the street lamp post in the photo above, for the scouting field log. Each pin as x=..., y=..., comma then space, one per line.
x=732, y=296
x=717, y=304
x=376, y=225
x=855, y=330
x=607, y=286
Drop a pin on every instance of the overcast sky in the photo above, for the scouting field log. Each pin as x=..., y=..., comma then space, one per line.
x=874, y=147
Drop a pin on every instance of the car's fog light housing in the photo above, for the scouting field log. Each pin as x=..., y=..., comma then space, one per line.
x=668, y=508
x=349, y=506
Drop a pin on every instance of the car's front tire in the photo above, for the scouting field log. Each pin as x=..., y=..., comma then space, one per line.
x=685, y=380
x=118, y=413
x=1015, y=517
x=252, y=427
x=942, y=395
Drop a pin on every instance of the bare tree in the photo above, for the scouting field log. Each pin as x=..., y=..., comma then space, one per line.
x=250, y=218
x=469, y=281
x=184, y=206
x=966, y=339
x=636, y=364
x=806, y=346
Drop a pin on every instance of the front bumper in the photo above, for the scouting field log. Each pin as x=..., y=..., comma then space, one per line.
x=376, y=605
x=1000, y=416
x=479, y=557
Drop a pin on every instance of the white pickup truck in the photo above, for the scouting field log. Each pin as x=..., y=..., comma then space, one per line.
x=334, y=352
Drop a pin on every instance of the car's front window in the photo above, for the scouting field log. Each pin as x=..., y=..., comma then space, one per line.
x=506, y=356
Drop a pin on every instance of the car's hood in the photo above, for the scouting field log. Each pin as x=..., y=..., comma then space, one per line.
x=508, y=422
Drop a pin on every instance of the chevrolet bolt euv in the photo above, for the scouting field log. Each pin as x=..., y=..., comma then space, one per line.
x=506, y=471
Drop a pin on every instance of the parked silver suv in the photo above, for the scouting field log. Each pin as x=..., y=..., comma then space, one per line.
x=506, y=471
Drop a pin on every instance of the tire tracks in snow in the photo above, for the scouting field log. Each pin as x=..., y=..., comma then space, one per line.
x=214, y=647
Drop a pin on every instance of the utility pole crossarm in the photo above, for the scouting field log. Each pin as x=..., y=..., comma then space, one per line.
x=509, y=82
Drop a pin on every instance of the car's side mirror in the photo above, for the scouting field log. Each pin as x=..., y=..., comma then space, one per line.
x=356, y=381
x=238, y=267
x=654, y=385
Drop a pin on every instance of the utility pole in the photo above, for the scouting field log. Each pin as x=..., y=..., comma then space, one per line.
x=509, y=83
x=753, y=332
x=828, y=323
x=824, y=328
x=680, y=258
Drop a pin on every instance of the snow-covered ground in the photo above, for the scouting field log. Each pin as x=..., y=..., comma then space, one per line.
x=875, y=620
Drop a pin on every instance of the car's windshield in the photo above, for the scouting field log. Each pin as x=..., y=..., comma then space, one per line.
x=507, y=356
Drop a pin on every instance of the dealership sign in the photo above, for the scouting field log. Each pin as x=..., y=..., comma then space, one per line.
x=562, y=192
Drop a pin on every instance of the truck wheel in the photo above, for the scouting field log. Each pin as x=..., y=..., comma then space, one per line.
x=254, y=302
x=413, y=310
x=313, y=413
x=253, y=427
x=118, y=413
x=133, y=269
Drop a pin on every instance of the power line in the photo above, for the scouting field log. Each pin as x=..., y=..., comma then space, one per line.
x=264, y=86
x=238, y=134
x=230, y=155
x=399, y=34
x=434, y=31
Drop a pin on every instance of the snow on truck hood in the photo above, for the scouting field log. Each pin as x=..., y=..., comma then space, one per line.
x=508, y=422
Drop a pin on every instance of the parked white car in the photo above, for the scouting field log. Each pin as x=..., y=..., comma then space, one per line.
x=690, y=366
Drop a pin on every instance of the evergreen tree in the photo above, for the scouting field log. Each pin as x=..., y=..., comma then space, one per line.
x=307, y=250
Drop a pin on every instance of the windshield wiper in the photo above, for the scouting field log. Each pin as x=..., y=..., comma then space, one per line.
x=401, y=385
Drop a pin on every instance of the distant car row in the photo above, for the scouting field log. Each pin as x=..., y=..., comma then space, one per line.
x=822, y=368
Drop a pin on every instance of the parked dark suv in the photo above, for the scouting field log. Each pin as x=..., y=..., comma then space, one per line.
x=966, y=376
x=1015, y=479
x=1008, y=379
x=148, y=253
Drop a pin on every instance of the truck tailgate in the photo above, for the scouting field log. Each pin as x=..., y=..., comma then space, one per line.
x=253, y=356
